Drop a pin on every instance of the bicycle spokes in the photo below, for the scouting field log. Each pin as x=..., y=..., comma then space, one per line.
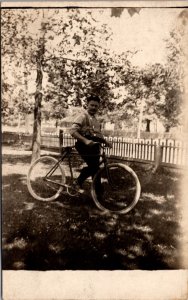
x=116, y=190
x=45, y=179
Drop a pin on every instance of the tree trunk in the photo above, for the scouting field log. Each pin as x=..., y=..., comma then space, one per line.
x=37, y=114
x=79, y=101
x=19, y=122
x=167, y=128
x=36, y=143
x=27, y=123
x=148, y=122
x=140, y=118
x=37, y=127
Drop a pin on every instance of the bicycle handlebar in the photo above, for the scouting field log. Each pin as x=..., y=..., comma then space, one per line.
x=103, y=146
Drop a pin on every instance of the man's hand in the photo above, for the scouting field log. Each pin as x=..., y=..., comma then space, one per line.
x=108, y=144
x=83, y=139
x=89, y=143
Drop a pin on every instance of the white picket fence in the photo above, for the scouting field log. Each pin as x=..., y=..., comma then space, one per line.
x=174, y=152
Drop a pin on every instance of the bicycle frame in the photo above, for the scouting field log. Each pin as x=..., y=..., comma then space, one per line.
x=67, y=153
x=106, y=179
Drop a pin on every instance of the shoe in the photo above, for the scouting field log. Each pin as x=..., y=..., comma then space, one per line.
x=77, y=187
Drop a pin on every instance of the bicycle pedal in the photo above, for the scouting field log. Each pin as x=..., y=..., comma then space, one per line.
x=74, y=191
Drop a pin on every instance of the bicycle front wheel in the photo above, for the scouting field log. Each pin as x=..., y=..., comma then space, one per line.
x=44, y=178
x=116, y=188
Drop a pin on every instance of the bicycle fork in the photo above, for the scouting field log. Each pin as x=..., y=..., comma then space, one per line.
x=108, y=175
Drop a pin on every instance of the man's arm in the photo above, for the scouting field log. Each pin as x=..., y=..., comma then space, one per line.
x=75, y=130
x=81, y=138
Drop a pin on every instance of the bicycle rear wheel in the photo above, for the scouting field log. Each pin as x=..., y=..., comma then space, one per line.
x=40, y=176
x=116, y=188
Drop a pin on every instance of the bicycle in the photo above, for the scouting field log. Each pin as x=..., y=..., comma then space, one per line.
x=119, y=185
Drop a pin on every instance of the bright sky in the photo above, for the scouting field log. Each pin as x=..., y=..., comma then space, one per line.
x=145, y=32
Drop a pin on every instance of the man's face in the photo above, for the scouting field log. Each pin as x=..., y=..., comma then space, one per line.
x=92, y=107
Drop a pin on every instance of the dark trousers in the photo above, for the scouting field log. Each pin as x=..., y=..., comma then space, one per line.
x=90, y=154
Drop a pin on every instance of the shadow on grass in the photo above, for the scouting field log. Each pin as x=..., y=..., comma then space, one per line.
x=72, y=234
x=17, y=159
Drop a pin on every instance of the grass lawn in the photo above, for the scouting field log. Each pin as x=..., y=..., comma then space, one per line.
x=72, y=234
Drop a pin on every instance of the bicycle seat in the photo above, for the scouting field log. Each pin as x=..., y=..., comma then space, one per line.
x=68, y=147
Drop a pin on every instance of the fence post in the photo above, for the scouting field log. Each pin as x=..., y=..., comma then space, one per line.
x=60, y=140
x=157, y=157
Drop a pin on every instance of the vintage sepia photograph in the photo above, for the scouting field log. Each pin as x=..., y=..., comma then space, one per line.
x=94, y=138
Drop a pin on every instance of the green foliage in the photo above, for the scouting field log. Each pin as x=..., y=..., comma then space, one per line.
x=18, y=50
x=70, y=48
x=171, y=106
x=160, y=88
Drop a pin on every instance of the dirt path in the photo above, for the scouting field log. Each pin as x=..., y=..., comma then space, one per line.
x=71, y=234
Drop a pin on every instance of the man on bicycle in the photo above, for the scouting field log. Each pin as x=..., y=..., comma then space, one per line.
x=86, y=129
